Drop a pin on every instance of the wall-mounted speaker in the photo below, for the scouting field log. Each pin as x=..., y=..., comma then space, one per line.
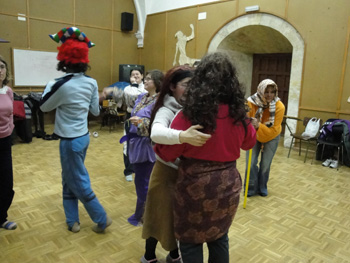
x=127, y=21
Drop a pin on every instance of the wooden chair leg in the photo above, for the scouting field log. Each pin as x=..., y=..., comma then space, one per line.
x=290, y=146
x=307, y=149
x=315, y=154
x=299, y=147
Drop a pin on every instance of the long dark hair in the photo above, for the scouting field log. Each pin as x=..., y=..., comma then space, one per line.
x=214, y=82
x=172, y=77
x=157, y=76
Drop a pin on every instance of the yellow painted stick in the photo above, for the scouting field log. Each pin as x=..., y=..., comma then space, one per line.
x=247, y=179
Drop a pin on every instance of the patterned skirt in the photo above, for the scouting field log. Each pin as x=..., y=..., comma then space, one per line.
x=206, y=199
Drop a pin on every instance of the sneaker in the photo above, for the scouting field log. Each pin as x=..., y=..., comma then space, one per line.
x=75, y=228
x=327, y=162
x=8, y=225
x=143, y=260
x=169, y=259
x=98, y=229
x=128, y=178
x=334, y=164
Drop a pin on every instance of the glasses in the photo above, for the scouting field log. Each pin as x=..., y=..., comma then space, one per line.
x=182, y=84
x=148, y=79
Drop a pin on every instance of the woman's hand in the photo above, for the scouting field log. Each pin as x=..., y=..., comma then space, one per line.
x=132, y=80
x=255, y=122
x=135, y=120
x=193, y=136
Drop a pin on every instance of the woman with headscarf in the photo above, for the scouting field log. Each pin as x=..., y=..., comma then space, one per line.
x=266, y=113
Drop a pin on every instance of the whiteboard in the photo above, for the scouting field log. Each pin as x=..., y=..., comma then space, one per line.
x=34, y=68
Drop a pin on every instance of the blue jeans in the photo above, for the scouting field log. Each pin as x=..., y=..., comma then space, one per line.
x=259, y=176
x=76, y=182
x=218, y=251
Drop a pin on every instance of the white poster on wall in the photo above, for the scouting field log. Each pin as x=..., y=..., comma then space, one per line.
x=33, y=68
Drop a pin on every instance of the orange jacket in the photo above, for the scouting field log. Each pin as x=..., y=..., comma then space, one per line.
x=264, y=133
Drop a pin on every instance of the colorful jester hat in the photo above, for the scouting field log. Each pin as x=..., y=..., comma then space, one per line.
x=75, y=45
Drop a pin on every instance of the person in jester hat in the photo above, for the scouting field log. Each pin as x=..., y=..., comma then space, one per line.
x=73, y=96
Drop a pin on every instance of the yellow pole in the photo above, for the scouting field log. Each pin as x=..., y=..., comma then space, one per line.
x=247, y=179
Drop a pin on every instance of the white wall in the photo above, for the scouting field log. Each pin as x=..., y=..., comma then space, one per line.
x=156, y=6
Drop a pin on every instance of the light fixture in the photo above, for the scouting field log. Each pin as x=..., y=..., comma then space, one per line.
x=252, y=8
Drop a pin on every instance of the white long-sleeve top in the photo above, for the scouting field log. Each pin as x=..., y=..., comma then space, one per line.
x=161, y=133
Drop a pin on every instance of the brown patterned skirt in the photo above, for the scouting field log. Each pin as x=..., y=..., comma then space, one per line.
x=206, y=199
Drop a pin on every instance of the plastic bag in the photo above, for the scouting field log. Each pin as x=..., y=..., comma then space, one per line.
x=312, y=128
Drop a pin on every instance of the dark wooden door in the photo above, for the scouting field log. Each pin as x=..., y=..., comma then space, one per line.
x=276, y=67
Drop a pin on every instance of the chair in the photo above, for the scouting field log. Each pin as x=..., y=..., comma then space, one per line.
x=335, y=139
x=110, y=115
x=300, y=137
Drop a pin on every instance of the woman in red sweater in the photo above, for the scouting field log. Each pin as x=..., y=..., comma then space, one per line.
x=208, y=187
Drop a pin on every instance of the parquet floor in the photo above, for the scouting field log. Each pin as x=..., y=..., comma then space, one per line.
x=305, y=218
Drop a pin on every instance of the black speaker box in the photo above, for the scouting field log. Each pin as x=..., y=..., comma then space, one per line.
x=127, y=21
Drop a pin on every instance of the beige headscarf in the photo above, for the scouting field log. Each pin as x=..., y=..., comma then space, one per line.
x=258, y=99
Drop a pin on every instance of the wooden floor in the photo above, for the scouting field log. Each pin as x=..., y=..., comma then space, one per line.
x=305, y=218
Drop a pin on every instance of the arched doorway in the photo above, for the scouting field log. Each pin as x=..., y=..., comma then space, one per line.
x=282, y=27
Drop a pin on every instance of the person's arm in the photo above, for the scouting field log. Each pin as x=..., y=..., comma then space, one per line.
x=192, y=34
x=163, y=134
x=250, y=138
x=142, y=125
x=50, y=100
x=269, y=133
x=177, y=48
x=94, y=103
x=169, y=153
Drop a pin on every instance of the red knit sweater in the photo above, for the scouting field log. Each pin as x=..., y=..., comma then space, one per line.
x=223, y=146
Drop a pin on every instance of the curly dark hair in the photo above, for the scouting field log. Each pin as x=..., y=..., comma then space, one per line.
x=214, y=82
x=72, y=68
x=172, y=77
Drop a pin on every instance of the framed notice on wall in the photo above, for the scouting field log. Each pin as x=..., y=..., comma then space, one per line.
x=34, y=68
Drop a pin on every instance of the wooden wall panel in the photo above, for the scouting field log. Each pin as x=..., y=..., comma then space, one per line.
x=276, y=7
x=217, y=16
x=99, y=20
x=323, y=27
x=344, y=105
x=100, y=56
x=49, y=9
x=14, y=6
x=39, y=36
x=121, y=6
x=125, y=51
x=94, y=13
x=188, y=16
x=153, y=53
x=17, y=37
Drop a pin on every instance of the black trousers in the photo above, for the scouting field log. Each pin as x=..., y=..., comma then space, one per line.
x=6, y=178
x=38, y=118
x=218, y=251
x=128, y=166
